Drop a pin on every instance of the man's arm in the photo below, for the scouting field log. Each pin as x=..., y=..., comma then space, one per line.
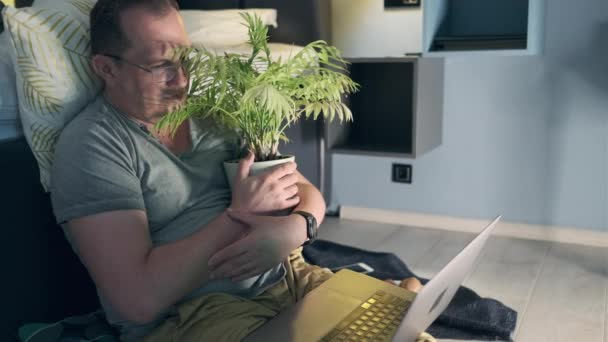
x=270, y=239
x=138, y=280
x=311, y=200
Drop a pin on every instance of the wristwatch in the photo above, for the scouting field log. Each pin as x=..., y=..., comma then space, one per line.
x=311, y=226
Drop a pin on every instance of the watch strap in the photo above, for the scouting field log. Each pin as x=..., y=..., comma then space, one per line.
x=311, y=226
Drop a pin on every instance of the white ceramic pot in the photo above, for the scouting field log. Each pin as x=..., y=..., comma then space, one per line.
x=230, y=167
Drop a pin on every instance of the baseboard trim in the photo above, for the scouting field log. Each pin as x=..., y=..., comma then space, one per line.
x=517, y=230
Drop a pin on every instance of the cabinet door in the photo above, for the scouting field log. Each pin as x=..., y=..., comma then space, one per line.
x=366, y=29
x=513, y=27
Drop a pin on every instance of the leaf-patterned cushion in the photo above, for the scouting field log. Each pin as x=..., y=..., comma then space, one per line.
x=51, y=52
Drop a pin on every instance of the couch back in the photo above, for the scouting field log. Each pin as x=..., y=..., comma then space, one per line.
x=300, y=21
x=43, y=280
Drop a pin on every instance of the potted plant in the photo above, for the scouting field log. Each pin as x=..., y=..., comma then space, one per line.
x=257, y=97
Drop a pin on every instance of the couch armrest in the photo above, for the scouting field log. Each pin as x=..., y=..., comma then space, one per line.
x=43, y=280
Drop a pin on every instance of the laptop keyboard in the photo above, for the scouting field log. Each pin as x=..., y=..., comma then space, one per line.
x=374, y=320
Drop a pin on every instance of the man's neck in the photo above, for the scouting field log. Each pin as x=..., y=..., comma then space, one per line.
x=178, y=143
x=125, y=107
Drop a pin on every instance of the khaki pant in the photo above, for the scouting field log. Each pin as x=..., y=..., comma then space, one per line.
x=222, y=317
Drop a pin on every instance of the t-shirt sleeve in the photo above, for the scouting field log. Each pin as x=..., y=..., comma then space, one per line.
x=93, y=172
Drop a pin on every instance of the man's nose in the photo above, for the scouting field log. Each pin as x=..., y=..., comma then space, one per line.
x=181, y=78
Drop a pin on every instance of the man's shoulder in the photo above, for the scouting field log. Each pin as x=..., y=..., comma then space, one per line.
x=94, y=135
x=93, y=119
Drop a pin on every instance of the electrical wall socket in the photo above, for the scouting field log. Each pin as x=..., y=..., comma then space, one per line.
x=402, y=173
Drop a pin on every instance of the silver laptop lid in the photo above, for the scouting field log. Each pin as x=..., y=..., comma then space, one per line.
x=439, y=291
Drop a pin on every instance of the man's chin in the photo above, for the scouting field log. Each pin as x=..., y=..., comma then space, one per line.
x=175, y=105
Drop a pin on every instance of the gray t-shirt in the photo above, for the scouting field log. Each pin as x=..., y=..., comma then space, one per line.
x=104, y=161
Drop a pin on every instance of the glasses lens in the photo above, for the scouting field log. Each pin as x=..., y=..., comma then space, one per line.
x=165, y=74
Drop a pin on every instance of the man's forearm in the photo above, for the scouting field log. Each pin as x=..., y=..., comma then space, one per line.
x=311, y=201
x=174, y=270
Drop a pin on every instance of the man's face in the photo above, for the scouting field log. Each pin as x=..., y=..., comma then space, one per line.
x=152, y=40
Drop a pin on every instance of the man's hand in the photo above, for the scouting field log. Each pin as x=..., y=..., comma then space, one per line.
x=268, y=192
x=269, y=241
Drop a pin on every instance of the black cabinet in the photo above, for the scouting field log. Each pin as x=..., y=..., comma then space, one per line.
x=398, y=110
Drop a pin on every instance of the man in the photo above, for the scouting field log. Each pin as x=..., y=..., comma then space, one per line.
x=173, y=252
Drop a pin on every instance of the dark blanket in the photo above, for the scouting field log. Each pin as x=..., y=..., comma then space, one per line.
x=467, y=317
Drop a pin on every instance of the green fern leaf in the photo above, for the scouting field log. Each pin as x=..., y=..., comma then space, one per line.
x=258, y=98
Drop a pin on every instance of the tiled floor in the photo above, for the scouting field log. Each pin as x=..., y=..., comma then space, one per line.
x=559, y=290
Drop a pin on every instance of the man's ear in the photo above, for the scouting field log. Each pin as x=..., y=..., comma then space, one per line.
x=104, y=67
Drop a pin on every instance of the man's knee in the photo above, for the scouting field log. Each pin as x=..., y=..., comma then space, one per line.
x=410, y=284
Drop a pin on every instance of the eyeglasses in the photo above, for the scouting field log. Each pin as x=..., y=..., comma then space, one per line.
x=160, y=74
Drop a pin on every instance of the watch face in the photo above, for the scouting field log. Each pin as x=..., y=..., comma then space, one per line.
x=312, y=224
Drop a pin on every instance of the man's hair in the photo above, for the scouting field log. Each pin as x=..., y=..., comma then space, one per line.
x=107, y=35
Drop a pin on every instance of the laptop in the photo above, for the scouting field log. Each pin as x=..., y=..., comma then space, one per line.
x=351, y=306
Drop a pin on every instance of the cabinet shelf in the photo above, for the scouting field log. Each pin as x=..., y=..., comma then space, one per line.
x=482, y=26
x=473, y=43
x=397, y=112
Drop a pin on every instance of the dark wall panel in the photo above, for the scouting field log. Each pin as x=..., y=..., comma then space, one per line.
x=304, y=144
x=208, y=4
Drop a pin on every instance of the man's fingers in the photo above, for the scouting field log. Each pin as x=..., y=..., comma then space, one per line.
x=287, y=180
x=291, y=191
x=231, y=251
x=283, y=170
x=225, y=269
x=230, y=268
x=241, y=217
x=292, y=202
x=244, y=166
x=247, y=274
x=242, y=270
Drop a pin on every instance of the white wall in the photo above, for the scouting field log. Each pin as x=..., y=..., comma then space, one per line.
x=523, y=136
